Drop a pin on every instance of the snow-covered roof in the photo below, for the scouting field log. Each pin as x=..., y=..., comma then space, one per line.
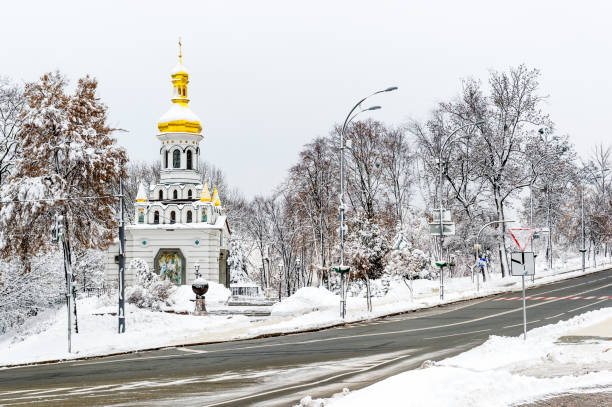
x=178, y=112
x=141, y=196
x=178, y=68
x=219, y=224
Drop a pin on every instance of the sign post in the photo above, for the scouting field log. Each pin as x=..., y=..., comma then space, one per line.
x=342, y=270
x=522, y=264
x=441, y=226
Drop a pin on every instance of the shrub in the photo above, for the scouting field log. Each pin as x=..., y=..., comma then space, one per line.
x=150, y=291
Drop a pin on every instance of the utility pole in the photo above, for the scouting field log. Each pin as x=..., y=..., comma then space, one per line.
x=441, y=231
x=583, y=249
x=121, y=313
x=59, y=234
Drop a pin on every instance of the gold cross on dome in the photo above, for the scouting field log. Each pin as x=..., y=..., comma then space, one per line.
x=180, y=51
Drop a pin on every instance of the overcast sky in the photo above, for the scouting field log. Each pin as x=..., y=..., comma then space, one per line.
x=268, y=76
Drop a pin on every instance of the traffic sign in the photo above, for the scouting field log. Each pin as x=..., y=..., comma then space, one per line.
x=446, y=215
x=482, y=262
x=342, y=269
x=521, y=236
x=522, y=264
x=447, y=228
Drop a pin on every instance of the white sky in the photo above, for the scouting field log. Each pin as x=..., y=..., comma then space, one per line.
x=268, y=76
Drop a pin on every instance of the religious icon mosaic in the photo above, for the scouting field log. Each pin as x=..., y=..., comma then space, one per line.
x=170, y=267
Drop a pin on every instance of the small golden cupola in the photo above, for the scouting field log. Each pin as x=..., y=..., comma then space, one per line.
x=179, y=118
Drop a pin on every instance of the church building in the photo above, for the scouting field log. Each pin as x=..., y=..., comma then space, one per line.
x=179, y=227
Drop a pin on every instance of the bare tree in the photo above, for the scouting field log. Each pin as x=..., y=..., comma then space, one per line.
x=364, y=175
x=12, y=103
x=511, y=112
x=397, y=169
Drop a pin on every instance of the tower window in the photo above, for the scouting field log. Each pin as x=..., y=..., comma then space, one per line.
x=141, y=216
x=175, y=194
x=166, y=161
x=161, y=195
x=172, y=217
x=156, y=217
x=189, y=160
x=189, y=194
x=189, y=216
x=176, y=159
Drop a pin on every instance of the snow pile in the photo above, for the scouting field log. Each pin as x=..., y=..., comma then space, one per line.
x=501, y=372
x=305, y=300
x=43, y=337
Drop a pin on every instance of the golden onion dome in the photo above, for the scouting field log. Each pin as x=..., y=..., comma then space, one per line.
x=179, y=118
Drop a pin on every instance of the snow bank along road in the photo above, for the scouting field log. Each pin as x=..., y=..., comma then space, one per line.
x=278, y=371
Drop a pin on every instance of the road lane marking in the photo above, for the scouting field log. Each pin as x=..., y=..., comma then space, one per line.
x=554, y=316
x=556, y=289
x=573, y=286
x=310, y=384
x=588, y=305
x=569, y=297
x=530, y=322
x=463, y=333
x=184, y=349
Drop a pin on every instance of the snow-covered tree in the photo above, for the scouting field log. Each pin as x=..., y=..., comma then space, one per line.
x=366, y=248
x=25, y=294
x=88, y=269
x=407, y=262
x=237, y=263
x=12, y=104
x=68, y=164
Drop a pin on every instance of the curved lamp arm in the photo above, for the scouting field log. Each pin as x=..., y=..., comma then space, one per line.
x=348, y=116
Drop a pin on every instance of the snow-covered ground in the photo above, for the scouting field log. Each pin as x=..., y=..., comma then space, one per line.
x=43, y=337
x=501, y=372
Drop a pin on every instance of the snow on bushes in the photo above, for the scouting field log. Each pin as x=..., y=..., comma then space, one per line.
x=306, y=299
x=150, y=291
x=408, y=263
x=24, y=294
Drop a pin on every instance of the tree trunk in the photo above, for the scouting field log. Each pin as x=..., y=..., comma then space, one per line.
x=368, y=292
x=499, y=205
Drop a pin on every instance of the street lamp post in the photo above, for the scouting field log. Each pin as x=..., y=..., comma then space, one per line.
x=583, y=249
x=442, y=146
x=342, y=207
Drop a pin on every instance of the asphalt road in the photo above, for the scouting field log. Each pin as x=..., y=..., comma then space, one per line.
x=278, y=371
